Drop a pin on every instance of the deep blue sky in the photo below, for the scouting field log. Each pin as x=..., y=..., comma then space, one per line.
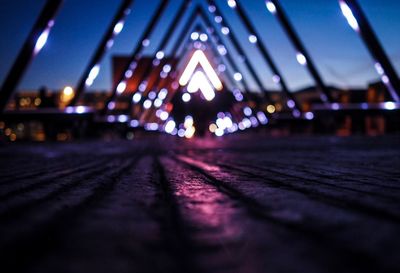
x=336, y=49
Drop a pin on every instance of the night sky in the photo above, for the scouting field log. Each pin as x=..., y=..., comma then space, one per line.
x=335, y=47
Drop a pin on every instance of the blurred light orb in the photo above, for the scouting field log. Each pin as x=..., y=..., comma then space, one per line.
x=271, y=109
x=186, y=97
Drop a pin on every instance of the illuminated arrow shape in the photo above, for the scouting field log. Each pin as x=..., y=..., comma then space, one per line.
x=199, y=82
x=199, y=58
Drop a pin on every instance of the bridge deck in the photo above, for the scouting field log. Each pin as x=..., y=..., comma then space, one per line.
x=245, y=204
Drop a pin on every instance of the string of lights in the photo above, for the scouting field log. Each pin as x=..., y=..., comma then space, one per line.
x=92, y=70
x=129, y=69
x=302, y=55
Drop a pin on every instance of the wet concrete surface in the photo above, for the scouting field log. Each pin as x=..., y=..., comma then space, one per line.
x=238, y=204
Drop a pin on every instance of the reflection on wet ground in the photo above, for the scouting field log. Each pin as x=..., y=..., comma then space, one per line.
x=245, y=204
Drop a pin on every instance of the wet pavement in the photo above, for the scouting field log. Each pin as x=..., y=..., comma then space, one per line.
x=238, y=204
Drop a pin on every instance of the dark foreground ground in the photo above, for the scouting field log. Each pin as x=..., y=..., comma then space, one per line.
x=244, y=204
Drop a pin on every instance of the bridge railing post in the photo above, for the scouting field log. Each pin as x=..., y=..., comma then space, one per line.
x=302, y=56
x=359, y=22
x=92, y=70
x=34, y=43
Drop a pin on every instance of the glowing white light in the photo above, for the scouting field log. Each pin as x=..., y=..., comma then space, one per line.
x=200, y=58
x=188, y=122
x=222, y=50
x=262, y=118
x=238, y=77
x=389, y=105
x=41, y=41
x=170, y=126
x=157, y=103
x=212, y=8
x=276, y=79
x=232, y=3
x=80, y=109
x=163, y=94
x=247, y=111
x=160, y=55
x=134, y=123
x=296, y=113
x=253, y=39
x=156, y=62
x=218, y=19
x=219, y=132
x=233, y=128
x=254, y=121
x=147, y=104
x=133, y=65
x=121, y=87
x=385, y=79
x=189, y=133
x=335, y=106
x=68, y=91
x=151, y=126
x=146, y=42
x=239, y=97
x=186, y=97
x=181, y=132
x=246, y=123
x=301, y=59
x=228, y=122
x=94, y=72
x=128, y=73
x=225, y=30
x=348, y=13
x=198, y=45
x=111, y=105
x=122, y=118
x=174, y=132
x=364, y=105
x=203, y=37
x=163, y=75
x=309, y=115
x=199, y=82
x=69, y=109
x=221, y=68
x=142, y=86
x=137, y=97
x=110, y=43
x=152, y=95
x=118, y=27
x=194, y=36
x=167, y=68
x=220, y=123
x=290, y=103
x=111, y=119
x=379, y=69
x=270, y=6
x=164, y=115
